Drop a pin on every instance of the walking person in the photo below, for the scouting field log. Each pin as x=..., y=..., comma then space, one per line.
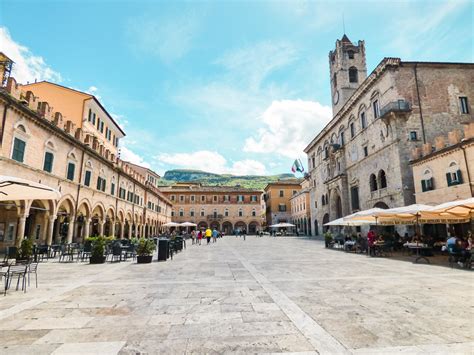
x=199, y=236
x=208, y=235
x=215, y=233
x=193, y=237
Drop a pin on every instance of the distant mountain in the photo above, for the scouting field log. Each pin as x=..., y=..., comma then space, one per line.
x=211, y=179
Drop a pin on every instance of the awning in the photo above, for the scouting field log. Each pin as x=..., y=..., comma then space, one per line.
x=13, y=189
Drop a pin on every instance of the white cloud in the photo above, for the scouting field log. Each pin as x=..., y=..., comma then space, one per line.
x=169, y=39
x=254, y=63
x=289, y=127
x=212, y=162
x=27, y=67
x=127, y=155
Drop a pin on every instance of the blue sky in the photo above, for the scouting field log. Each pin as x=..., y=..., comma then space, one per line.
x=225, y=86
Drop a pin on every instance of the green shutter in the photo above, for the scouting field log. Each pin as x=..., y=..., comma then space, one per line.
x=448, y=178
x=18, y=153
x=423, y=185
x=48, y=162
x=87, y=178
x=459, y=176
x=70, y=171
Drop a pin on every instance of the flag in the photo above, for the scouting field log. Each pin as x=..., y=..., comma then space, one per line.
x=297, y=166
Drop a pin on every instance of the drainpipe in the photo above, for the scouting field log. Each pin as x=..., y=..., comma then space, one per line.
x=467, y=170
x=419, y=104
x=4, y=119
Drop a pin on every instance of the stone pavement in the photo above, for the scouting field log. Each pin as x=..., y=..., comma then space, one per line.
x=262, y=295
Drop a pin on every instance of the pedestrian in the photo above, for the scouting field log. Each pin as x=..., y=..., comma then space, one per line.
x=208, y=235
x=193, y=236
x=199, y=237
x=244, y=233
x=215, y=233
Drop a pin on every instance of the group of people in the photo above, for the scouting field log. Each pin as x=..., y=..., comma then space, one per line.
x=460, y=248
x=208, y=233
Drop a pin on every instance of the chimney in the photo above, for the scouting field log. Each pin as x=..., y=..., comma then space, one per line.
x=58, y=119
x=469, y=130
x=70, y=127
x=416, y=153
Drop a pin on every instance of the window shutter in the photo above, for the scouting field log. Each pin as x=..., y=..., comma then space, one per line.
x=448, y=178
x=459, y=176
x=423, y=185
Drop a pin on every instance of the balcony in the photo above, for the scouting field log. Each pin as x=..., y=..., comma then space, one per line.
x=395, y=107
x=217, y=217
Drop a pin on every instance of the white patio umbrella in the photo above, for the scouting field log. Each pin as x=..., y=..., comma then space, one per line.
x=13, y=188
x=458, y=207
x=171, y=224
x=282, y=225
x=344, y=222
x=188, y=224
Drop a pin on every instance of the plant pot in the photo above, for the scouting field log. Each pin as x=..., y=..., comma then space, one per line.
x=144, y=259
x=97, y=259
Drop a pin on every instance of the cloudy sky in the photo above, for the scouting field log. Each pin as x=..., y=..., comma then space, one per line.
x=231, y=86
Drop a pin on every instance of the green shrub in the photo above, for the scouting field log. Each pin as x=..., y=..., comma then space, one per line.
x=26, y=249
x=146, y=247
x=98, y=245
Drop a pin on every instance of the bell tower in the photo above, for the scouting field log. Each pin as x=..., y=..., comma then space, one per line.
x=348, y=69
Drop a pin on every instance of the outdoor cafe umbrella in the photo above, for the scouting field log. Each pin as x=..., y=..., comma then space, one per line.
x=188, y=224
x=13, y=188
x=171, y=224
x=458, y=207
x=282, y=225
x=343, y=222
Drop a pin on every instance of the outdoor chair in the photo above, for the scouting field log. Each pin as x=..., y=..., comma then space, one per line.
x=10, y=253
x=85, y=251
x=33, y=269
x=131, y=252
x=4, y=277
x=40, y=252
x=116, y=252
x=66, y=252
x=20, y=271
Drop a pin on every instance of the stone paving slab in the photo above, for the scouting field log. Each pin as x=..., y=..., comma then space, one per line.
x=263, y=295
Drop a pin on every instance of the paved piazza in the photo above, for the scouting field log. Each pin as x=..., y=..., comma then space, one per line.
x=262, y=295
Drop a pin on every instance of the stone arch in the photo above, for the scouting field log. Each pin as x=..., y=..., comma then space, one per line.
x=253, y=226
x=336, y=204
x=215, y=225
x=227, y=227
x=382, y=205
x=67, y=203
x=202, y=224
x=240, y=225
x=373, y=182
x=325, y=220
x=353, y=75
x=316, y=227
x=382, y=179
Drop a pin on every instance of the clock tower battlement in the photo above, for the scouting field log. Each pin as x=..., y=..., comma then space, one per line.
x=347, y=69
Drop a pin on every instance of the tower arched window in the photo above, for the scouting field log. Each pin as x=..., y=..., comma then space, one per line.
x=350, y=54
x=334, y=79
x=353, y=77
x=373, y=182
x=382, y=179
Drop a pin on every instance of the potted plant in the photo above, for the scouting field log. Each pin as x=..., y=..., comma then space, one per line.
x=327, y=239
x=97, y=250
x=25, y=251
x=145, y=250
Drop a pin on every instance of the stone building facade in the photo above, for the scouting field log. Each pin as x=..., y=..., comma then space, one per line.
x=300, y=209
x=100, y=193
x=222, y=207
x=277, y=200
x=361, y=158
x=445, y=171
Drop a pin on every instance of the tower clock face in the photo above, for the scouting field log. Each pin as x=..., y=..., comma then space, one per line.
x=336, y=97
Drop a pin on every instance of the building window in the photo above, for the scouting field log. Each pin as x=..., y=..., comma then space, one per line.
x=427, y=183
x=341, y=138
x=241, y=213
x=226, y=212
x=172, y=213
x=214, y=198
x=112, y=189
x=181, y=212
x=172, y=197
x=214, y=213
x=366, y=151
x=350, y=54
x=281, y=207
x=294, y=192
x=373, y=182
x=93, y=119
x=454, y=176
x=71, y=167
x=413, y=136
x=282, y=193
x=382, y=179
x=254, y=213
x=181, y=198
x=363, y=120
x=202, y=213
x=326, y=152
x=192, y=198
x=102, y=127
x=313, y=161
x=203, y=198
x=191, y=213
x=464, y=105
x=48, y=162
x=87, y=178
x=101, y=185
x=240, y=198
x=226, y=198
x=18, y=153
x=353, y=75
x=375, y=106
x=253, y=198
x=353, y=131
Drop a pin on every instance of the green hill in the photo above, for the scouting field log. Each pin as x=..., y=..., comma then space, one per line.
x=211, y=179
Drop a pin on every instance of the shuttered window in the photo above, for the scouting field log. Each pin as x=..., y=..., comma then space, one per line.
x=18, y=153
x=48, y=162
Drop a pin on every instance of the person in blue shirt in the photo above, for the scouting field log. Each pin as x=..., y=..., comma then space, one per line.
x=215, y=233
